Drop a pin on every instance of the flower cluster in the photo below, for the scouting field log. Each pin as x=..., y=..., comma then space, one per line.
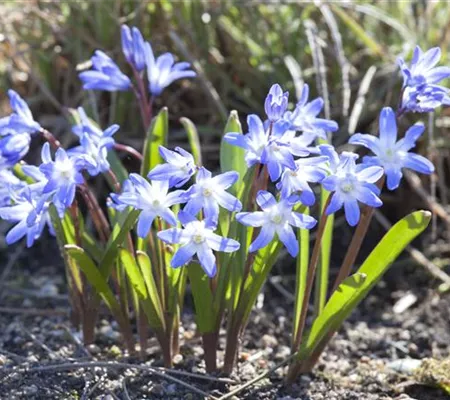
x=161, y=71
x=421, y=92
x=284, y=147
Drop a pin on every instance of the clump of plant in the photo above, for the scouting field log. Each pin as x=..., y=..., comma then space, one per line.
x=175, y=223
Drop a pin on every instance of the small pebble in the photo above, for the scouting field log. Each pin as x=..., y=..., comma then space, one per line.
x=30, y=390
x=177, y=359
x=93, y=348
x=157, y=389
x=269, y=341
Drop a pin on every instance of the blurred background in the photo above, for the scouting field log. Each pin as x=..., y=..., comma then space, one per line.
x=346, y=51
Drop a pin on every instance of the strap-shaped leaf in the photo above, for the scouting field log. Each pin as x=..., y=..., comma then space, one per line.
x=373, y=268
x=331, y=316
x=264, y=261
x=125, y=223
x=203, y=298
x=135, y=275
x=156, y=136
x=95, y=278
x=193, y=138
x=232, y=158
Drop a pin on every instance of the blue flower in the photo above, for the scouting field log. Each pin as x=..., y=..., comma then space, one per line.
x=105, y=75
x=95, y=143
x=178, y=170
x=63, y=175
x=276, y=218
x=197, y=238
x=304, y=117
x=86, y=126
x=423, y=68
x=30, y=211
x=21, y=120
x=163, y=71
x=391, y=154
x=276, y=103
x=421, y=92
x=208, y=193
x=309, y=170
x=16, y=130
x=152, y=198
x=133, y=47
x=423, y=99
x=268, y=146
x=351, y=183
x=15, y=146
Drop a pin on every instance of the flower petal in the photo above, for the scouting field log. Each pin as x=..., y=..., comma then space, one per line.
x=254, y=219
x=288, y=238
x=263, y=239
x=219, y=243
x=183, y=255
x=352, y=212
x=265, y=199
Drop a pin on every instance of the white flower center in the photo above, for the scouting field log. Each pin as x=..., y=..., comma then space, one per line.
x=277, y=218
x=198, y=238
x=156, y=203
x=207, y=192
x=347, y=187
x=65, y=170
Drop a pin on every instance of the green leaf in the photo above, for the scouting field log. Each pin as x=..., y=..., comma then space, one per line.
x=334, y=312
x=359, y=31
x=373, y=268
x=301, y=275
x=232, y=158
x=203, y=298
x=146, y=271
x=138, y=283
x=194, y=141
x=264, y=261
x=125, y=223
x=156, y=136
x=95, y=278
x=323, y=267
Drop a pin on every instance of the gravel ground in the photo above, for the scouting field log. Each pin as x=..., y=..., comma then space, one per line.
x=36, y=339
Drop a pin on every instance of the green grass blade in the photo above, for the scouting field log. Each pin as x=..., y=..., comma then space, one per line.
x=359, y=31
x=156, y=136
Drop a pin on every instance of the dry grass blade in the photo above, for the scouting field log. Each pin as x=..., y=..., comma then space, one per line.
x=258, y=378
x=319, y=64
x=342, y=60
x=208, y=87
x=361, y=99
x=435, y=207
x=295, y=70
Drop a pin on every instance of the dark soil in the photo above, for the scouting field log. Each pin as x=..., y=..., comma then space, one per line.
x=35, y=331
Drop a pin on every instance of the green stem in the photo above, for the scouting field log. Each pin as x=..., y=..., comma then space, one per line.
x=301, y=275
x=310, y=278
x=321, y=283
